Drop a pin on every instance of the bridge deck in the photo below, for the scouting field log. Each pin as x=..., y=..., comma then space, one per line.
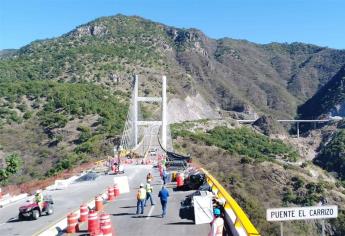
x=126, y=222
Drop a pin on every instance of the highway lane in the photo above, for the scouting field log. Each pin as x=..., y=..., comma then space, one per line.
x=65, y=201
x=125, y=221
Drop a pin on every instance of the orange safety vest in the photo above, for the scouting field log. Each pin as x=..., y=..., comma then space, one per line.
x=141, y=194
x=217, y=223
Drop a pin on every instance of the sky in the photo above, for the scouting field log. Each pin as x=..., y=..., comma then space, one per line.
x=320, y=22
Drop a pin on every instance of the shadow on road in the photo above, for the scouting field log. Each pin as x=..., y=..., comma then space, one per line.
x=13, y=220
x=181, y=223
x=123, y=214
x=129, y=207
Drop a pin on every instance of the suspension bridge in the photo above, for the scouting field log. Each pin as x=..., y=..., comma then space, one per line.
x=139, y=136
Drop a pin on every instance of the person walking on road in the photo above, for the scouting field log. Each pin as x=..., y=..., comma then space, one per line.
x=217, y=224
x=141, y=196
x=149, y=190
x=164, y=176
x=164, y=195
x=149, y=177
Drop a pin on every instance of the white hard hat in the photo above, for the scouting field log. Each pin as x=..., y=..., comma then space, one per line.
x=141, y=185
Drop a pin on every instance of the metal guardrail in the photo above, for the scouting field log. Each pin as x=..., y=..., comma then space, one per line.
x=238, y=222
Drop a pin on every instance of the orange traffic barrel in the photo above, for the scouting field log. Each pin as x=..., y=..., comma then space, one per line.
x=105, y=224
x=98, y=203
x=110, y=194
x=97, y=233
x=72, y=223
x=93, y=223
x=83, y=213
x=116, y=190
x=179, y=180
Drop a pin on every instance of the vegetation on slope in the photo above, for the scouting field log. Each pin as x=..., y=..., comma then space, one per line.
x=259, y=185
x=12, y=166
x=241, y=141
x=54, y=105
x=332, y=155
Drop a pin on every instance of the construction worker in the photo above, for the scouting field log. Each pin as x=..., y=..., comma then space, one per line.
x=164, y=176
x=149, y=177
x=149, y=190
x=164, y=195
x=217, y=224
x=141, y=196
x=39, y=198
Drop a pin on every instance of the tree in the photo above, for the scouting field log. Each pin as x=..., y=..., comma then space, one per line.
x=13, y=164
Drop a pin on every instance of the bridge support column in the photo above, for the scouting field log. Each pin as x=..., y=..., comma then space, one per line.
x=135, y=110
x=164, y=112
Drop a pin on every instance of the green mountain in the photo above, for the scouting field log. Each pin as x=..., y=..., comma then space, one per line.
x=231, y=74
x=63, y=101
x=328, y=100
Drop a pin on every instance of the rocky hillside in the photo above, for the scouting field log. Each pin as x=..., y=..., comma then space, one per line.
x=329, y=100
x=63, y=101
x=230, y=74
x=262, y=173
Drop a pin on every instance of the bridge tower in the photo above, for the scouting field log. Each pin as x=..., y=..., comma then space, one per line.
x=163, y=123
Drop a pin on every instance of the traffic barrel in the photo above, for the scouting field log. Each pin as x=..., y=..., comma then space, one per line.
x=72, y=223
x=97, y=233
x=93, y=222
x=98, y=203
x=179, y=180
x=83, y=213
x=110, y=194
x=116, y=190
x=105, y=224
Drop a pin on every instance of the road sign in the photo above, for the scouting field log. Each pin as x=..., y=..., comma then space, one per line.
x=302, y=213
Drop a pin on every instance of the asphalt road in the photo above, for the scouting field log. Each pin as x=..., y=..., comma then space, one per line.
x=65, y=201
x=126, y=222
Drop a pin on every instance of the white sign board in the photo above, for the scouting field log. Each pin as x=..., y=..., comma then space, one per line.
x=122, y=182
x=302, y=213
x=203, y=209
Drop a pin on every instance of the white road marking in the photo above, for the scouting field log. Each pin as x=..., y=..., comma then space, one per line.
x=150, y=212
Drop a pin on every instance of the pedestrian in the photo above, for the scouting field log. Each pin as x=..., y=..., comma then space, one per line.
x=141, y=195
x=149, y=177
x=217, y=224
x=149, y=191
x=164, y=195
x=164, y=176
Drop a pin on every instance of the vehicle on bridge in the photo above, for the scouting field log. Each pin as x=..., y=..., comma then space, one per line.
x=32, y=210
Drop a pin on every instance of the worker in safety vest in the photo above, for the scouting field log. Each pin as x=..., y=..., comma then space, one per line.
x=141, y=196
x=149, y=177
x=149, y=190
x=217, y=224
x=39, y=198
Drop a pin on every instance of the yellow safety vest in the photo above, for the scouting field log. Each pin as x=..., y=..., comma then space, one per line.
x=148, y=188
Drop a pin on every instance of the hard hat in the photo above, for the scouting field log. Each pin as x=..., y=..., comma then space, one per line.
x=216, y=211
x=38, y=191
x=141, y=185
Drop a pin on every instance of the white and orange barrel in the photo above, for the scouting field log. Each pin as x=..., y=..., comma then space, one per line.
x=105, y=224
x=93, y=222
x=116, y=190
x=72, y=223
x=83, y=213
x=110, y=194
x=98, y=203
